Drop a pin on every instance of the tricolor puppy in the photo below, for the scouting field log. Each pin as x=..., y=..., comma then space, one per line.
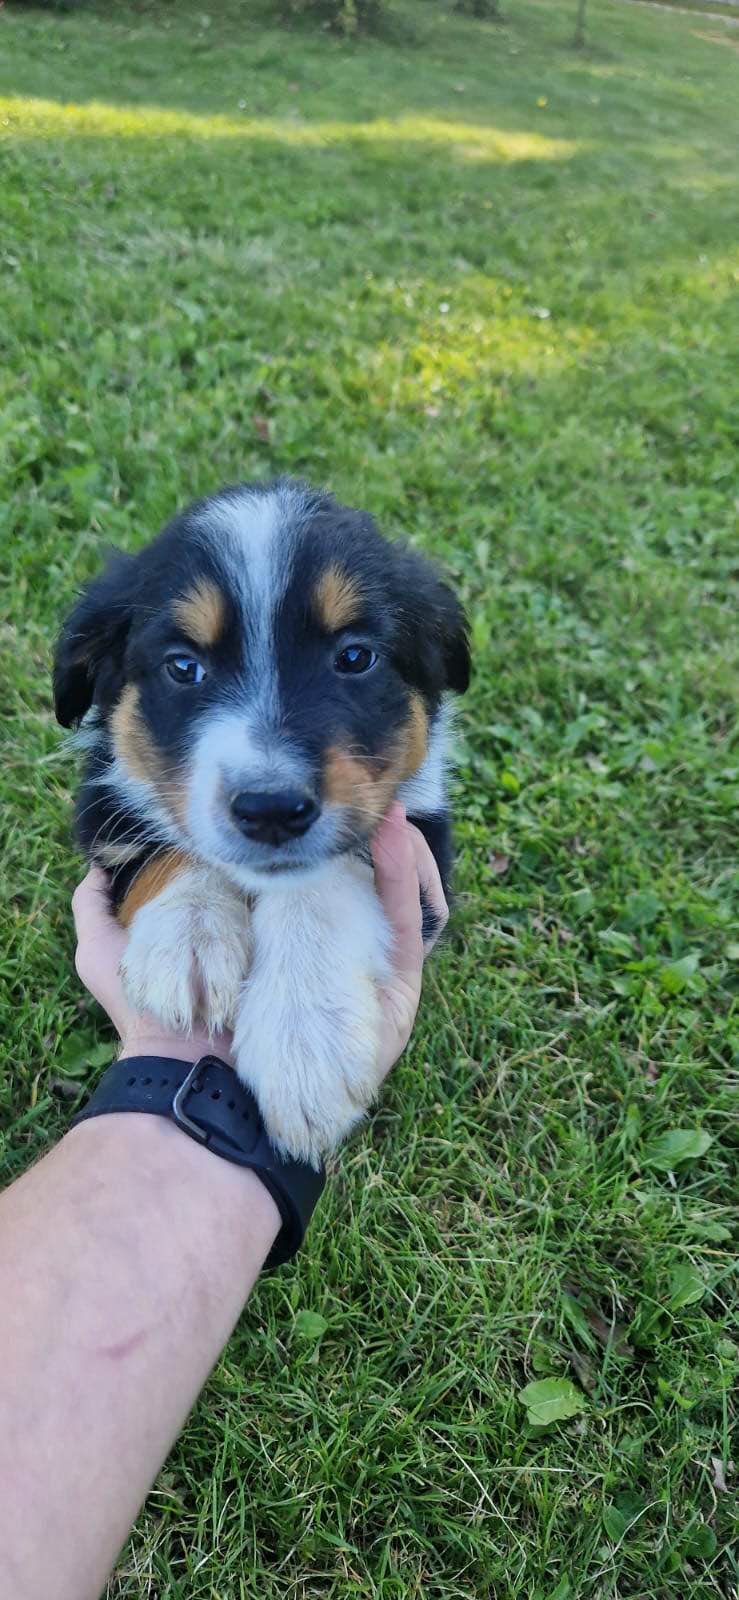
x=253, y=690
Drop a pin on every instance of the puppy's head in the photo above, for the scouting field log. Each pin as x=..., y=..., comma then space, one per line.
x=265, y=676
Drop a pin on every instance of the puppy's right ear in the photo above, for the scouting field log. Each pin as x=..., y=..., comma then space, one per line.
x=93, y=639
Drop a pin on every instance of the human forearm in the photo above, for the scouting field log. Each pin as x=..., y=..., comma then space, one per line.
x=125, y=1259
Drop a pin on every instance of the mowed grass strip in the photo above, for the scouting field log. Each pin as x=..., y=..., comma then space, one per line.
x=486, y=287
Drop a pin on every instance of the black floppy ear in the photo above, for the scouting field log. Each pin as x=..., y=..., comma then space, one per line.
x=455, y=644
x=435, y=642
x=92, y=639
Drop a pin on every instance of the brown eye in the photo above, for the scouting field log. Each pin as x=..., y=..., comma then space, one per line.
x=185, y=669
x=355, y=658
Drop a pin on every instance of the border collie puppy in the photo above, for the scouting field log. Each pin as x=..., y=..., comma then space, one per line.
x=253, y=689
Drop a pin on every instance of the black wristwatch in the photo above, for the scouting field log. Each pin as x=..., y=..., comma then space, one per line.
x=208, y=1102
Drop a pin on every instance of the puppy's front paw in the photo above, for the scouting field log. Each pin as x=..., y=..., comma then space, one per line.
x=308, y=1028
x=311, y=1061
x=188, y=952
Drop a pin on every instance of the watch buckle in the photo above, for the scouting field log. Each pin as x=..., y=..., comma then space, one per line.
x=180, y=1115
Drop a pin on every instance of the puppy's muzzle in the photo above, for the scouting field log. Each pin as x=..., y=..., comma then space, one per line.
x=274, y=817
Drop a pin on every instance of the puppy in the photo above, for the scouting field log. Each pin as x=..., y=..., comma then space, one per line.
x=252, y=690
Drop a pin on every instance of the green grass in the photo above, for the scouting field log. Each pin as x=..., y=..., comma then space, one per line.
x=483, y=286
x=713, y=8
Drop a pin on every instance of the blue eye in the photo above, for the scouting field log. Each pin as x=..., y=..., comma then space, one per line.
x=355, y=658
x=185, y=669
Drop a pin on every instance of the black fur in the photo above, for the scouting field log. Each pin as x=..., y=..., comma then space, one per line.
x=122, y=628
x=89, y=652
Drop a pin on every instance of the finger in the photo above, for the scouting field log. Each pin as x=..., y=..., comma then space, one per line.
x=100, y=939
x=91, y=906
x=396, y=878
x=431, y=885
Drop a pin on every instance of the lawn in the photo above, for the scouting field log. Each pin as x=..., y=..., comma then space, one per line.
x=482, y=285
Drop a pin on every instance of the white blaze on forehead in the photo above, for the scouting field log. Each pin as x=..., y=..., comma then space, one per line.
x=244, y=747
x=254, y=535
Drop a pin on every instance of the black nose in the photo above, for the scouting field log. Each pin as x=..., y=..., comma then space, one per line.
x=275, y=817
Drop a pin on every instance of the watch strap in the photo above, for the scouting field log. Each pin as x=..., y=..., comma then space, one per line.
x=210, y=1104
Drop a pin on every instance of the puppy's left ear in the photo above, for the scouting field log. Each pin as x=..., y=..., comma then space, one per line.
x=435, y=640
x=90, y=647
x=455, y=644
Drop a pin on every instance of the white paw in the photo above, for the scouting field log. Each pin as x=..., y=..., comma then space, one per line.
x=312, y=1062
x=308, y=1025
x=188, y=952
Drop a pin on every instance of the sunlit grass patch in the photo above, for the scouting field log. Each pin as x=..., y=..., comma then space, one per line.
x=43, y=119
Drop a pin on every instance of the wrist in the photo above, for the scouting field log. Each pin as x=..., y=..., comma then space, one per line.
x=175, y=1046
x=171, y=1173
x=208, y=1105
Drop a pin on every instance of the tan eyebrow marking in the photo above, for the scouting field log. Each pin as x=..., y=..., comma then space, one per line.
x=337, y=599
x=202, y=612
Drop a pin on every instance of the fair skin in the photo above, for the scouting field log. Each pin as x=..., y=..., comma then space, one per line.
x=126, y=1256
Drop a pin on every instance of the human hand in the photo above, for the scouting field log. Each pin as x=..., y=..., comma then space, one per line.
x=403, y=866
x=101, y=942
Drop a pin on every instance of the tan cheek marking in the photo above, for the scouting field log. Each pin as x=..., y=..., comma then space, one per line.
x=132, y=740
x=343, y=776
x=350, y=782
x=202, y=612
x=362, y=786
x=336, y=599
x=139, y=754
x=150, y=881
x=367, y=787
x=414, y=741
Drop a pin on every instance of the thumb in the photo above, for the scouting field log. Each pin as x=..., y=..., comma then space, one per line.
x=93, y=920
x=396, y=877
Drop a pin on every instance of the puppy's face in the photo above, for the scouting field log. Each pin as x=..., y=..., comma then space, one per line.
x=263, y=677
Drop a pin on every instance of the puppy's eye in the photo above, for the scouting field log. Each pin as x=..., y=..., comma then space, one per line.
x=185, y=669
x=355, y=658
